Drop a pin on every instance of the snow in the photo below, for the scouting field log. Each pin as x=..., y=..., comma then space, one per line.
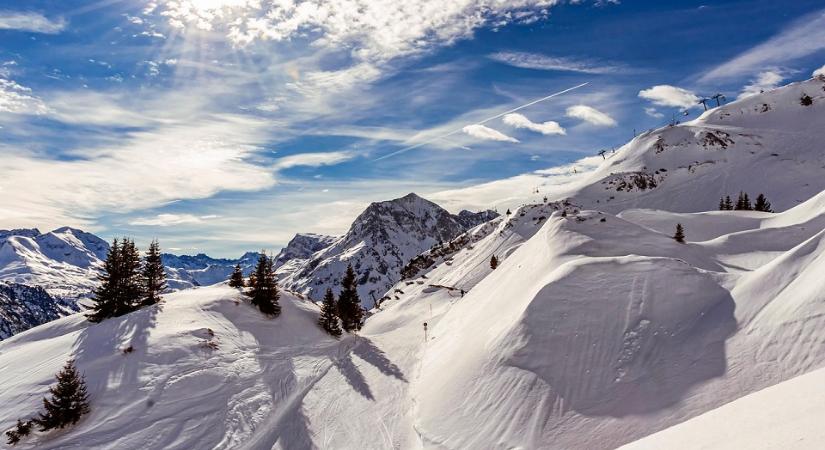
x=786, y=415
x=172, y=391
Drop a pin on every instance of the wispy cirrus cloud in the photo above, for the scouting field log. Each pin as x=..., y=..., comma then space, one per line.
x=487, y=133
x=672, y=96
x=314, y=159
x=804, y=37
x=520, y=121
x=591, y=115
x=168, y=220
x=31, y=22
x=537, y=61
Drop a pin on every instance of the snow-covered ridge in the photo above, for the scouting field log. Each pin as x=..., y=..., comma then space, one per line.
x=769, y=143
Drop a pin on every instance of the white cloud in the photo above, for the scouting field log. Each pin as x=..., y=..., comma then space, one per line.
x=374, y=30
x=543, y=62
x=546, y=128
x=160, y=163
x=29, y=21
x=763, y=82
x=314, y=159
x=167, y=220
x=487, y=133
x=652, y=112
x=820, y=71
x=590, y=115
x=666, y=95
x=18, y=99
x=805, y=37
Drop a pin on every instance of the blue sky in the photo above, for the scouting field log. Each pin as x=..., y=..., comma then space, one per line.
x=228, y=125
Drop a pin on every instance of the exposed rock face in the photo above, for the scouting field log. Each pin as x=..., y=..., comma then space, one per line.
x=23, y=307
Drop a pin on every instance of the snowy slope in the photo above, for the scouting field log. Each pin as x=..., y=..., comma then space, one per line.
x=612, y=326
x=787, y=415
x=173, y=391
x=380, y=242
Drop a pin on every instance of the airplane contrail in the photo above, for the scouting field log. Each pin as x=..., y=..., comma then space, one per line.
x=458, y=130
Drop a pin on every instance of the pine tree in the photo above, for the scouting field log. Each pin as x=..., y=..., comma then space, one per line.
x=349, y=304
x=329, y=318
x=508, y=212
x=680, y=234
x=21, y=430
x=251, y=281
x=721, y=203
x=762, y=204
x=264, y=292
x=105, y=295
x=154, y=277
x=493, y=262
x=132, y=285
x=236, y=279
x=744, y=202
x=728, y=203
x=69, y=400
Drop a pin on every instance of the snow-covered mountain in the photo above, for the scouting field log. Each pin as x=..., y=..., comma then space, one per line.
x=380, y=242
x=64, y=262
x=185, y=271
x=23, y=307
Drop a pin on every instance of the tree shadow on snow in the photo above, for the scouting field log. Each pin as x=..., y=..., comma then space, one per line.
x=115, y=348
x=368, y=352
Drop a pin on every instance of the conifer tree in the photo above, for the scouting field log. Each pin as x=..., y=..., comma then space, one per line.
x=131, y=284
x=349, y=304
x=728, y=203
x=329, y=318
x=251, y=281
x=762, y=204
x=680, y=234
x=21, y=430
x=236, y=279
x=69, y=400
x=721, y=203
x=744, y=202
x=105, y=295
x=493, y=262
x=264, y=292
x=154, y=277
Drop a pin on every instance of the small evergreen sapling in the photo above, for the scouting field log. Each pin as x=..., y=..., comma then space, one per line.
x=680, y=234
x=329, y=317
x=236, y=279
x=493, y=262
x=69, y=401
x=21, y=430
